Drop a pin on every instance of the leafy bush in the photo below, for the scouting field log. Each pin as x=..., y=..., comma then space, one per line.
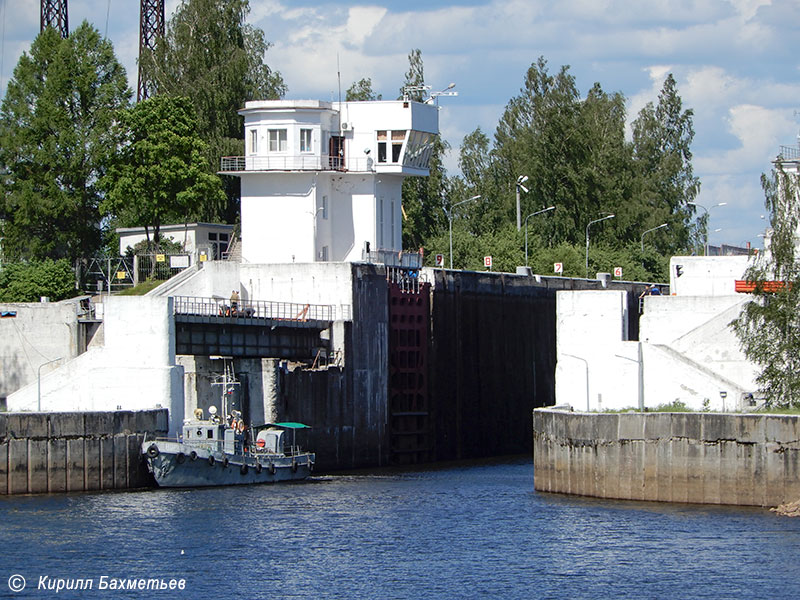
x=27, y=282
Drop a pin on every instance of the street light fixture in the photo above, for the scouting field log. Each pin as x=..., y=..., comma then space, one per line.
x=706, y=248
x=709, y=217
x=520, y=180
x=648, y=231
x=538, y=212
x=450, y=218
x=587, y=239
x=434, y=98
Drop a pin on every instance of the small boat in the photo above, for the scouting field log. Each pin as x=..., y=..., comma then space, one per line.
x=222, y=450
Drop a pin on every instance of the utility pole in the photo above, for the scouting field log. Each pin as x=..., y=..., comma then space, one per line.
x=54, y=13
x=151, y=27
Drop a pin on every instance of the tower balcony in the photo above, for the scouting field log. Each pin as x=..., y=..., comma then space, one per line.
x=305, y=162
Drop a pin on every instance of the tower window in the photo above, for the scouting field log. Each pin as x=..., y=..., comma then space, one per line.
x=277, y=140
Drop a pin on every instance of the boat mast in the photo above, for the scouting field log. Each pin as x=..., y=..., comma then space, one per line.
x=227, y=380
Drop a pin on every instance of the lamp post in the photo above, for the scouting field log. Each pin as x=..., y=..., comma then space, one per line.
x=39, y=383
x=705, y=249
x=538, y=212
x=586, y=365
x=450, y=218
x=587, y=239
x=650, y=230
x=520, y=180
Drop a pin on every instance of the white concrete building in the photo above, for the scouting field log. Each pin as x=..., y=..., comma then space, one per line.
x=686, y=350
x=321, y=181
x=211, y=238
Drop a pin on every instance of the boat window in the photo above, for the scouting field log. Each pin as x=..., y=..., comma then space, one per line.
x=210, y=434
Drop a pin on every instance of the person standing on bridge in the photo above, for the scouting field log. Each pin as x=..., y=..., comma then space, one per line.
x=234, y=301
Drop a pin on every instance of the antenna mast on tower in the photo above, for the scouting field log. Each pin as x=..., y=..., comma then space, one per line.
x=151, y=27
x=53, y=13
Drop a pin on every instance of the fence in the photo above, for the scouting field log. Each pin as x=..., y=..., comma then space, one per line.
x=256, y=309
x=159, y=267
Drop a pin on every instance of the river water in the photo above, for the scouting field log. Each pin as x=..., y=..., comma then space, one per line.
x=475, y=530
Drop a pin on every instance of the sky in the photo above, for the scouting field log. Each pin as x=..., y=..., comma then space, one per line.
x=737, y=65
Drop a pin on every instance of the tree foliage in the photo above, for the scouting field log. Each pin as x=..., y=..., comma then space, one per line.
x=159, y=175
x=662, y=137
x=768, y=327
x=27, y=282
x=56, y=139
x=211, y=55
x=574, y=152
x=361, y=91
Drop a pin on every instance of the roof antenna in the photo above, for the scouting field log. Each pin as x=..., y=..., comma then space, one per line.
x=339, y=79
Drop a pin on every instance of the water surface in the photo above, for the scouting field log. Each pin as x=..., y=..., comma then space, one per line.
x=474, y=530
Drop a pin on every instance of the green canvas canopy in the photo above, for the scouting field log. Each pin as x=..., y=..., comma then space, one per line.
x=291, y=425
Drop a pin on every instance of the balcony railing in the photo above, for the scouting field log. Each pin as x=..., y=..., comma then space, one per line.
x=310, y=162
x=789, y=152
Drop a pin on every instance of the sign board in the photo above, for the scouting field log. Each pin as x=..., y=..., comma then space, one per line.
x=618, y=272
x=161, y=258
x=179, y=261
x=203, y=257
x=487, y=262
x=558, y=267
x=121, y=274
x=440, y=260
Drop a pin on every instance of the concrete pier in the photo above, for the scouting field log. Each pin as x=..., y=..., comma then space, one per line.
x=705, y=458
x=77, y=451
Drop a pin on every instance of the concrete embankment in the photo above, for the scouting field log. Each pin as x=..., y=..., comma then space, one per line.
x=669, y=457
x=75, y=451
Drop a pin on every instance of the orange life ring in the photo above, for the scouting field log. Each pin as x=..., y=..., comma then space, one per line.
x=239, y=426
x=260, y=443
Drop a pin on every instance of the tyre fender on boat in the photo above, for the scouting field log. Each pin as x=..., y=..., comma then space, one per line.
x=211, y=461
x=193, y=455
x=243, y=469
x=272, y=468
x=225, y=462
x=153, y=451
x=258, y=468
x=294, y=466
x=180, y=458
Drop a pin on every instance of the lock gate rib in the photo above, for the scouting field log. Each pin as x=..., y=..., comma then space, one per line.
x=410, y=420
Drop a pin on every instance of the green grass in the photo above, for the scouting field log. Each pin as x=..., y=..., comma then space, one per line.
x=141, y=289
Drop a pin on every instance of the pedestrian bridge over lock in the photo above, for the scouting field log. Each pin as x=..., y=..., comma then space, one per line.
x=250, y=329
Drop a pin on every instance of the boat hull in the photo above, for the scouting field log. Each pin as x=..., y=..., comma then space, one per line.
x=178, y=465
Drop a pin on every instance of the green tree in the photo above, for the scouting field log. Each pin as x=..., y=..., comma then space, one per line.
x=665, y=182
x=211, y=55
x=56, y=138
x=27, y=282
x=768, y=327
x=159, y=175
x=361, y=91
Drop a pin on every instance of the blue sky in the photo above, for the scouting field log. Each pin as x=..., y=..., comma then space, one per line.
x=737, y=64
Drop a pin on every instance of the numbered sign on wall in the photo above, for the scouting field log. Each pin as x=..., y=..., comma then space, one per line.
x=558, y=268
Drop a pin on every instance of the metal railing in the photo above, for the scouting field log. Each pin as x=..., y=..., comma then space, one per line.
x=254, y=309
x=390, y=258
x=789, y=152
x=308, y=162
